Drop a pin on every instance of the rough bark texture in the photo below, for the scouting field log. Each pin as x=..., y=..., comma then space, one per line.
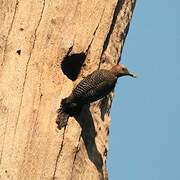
x=36, y=36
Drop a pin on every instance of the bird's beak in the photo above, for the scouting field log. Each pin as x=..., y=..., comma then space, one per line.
x=132, y=75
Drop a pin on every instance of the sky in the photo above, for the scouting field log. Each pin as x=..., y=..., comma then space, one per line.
x=144, y=142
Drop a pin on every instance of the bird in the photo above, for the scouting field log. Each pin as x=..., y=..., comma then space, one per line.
x=94, y=87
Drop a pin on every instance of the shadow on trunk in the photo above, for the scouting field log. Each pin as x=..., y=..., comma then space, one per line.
x=88, y=134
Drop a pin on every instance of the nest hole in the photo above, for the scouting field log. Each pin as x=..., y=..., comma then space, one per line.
x=71, y=65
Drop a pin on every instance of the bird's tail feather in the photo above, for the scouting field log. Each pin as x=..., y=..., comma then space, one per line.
x=68, y=108
x=62, y=117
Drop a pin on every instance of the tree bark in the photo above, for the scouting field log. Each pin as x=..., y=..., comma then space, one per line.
x=46, y=48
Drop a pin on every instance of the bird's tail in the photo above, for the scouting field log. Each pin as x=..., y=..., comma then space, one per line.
x=62, y=117
x=66, y=109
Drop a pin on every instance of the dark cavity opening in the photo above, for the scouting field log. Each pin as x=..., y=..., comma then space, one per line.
x=19, y=51
x=71, y=65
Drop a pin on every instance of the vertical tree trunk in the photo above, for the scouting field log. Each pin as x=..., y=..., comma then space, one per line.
x=46, y=48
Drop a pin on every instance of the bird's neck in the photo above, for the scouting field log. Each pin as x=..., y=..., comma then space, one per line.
x=115, y=73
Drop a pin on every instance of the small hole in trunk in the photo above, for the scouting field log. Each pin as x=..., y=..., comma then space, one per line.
x=19, y=51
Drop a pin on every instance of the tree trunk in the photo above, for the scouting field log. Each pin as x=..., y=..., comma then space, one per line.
x=46, y=48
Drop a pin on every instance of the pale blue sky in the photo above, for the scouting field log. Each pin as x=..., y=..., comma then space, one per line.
x=145, y=127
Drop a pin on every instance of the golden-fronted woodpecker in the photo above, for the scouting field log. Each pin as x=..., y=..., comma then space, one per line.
x=95, y=86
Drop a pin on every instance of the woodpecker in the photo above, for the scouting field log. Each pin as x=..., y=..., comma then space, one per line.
x=95, y=86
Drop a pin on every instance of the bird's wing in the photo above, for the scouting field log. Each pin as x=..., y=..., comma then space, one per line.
x=94, y=86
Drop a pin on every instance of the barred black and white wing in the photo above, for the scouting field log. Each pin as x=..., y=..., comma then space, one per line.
x=94, y=87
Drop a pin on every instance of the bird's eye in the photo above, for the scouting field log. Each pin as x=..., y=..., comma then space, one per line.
x=123, y=69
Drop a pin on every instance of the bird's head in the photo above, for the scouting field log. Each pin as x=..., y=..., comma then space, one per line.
x=121, y=70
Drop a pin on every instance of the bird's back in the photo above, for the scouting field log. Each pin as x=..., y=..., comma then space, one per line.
x=94, y=87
